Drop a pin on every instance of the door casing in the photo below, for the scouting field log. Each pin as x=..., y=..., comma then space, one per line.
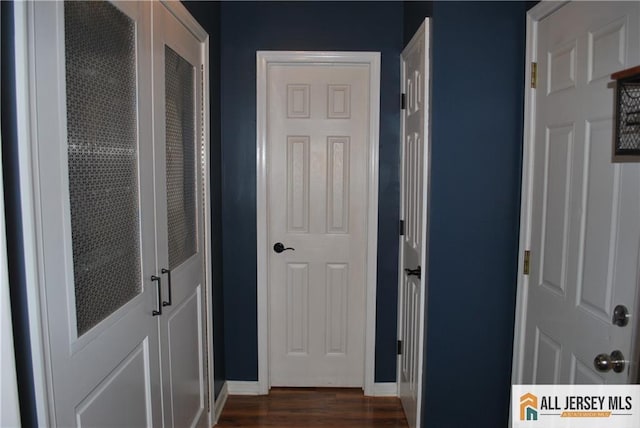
x=534, y=16
x=25, y=33
x=263, y=59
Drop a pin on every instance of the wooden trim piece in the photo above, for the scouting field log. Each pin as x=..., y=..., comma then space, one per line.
x=629, y=72
x=263, y=59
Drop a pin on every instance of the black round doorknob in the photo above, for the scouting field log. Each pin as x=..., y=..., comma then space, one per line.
x=278, y=247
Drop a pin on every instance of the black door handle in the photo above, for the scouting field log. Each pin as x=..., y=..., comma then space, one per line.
x=159, y=311
x=168, y=272
x=278, y=247
x=416, y=272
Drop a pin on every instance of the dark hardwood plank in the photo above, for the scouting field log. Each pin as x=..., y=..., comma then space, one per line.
x=312, y=407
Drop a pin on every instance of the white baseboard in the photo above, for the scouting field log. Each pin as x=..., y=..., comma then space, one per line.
x=385, y=389
x=220, y=401
x=239, y=387
x=236, y=387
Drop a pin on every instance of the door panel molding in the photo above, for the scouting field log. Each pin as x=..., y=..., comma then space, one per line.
x=263, y=59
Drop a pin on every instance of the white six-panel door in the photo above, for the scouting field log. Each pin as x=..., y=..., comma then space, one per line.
x=585, y=233
x=413, y=211
x=317, y=127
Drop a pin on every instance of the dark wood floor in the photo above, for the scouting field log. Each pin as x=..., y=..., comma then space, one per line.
x=312, y=407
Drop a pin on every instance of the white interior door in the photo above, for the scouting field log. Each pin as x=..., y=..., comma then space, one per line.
x=178, y=74
x=318, y=133
x=413, y=212
x=585, y=233
x=94, y=190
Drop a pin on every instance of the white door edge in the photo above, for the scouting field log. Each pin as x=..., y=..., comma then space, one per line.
x=423, y=33
x=25, y=31
x=263, y=59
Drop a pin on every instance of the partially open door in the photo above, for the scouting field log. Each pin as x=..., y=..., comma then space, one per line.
x=413, y=214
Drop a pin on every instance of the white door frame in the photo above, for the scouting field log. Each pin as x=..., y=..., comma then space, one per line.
x=28, y=146
x=263, y=60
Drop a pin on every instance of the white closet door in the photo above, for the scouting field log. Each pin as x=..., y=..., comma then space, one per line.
x=94, y=158
x=178, y=60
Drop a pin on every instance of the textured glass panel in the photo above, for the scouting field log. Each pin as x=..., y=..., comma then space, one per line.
x=102, y=148
x=181, y=168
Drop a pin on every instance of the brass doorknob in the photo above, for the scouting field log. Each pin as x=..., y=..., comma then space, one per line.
x=606, y=362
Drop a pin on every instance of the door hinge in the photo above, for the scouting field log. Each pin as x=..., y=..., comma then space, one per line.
x=403, y=101
x=401, y=227
x=527, y=257
x=534, y=75
x=399, y=347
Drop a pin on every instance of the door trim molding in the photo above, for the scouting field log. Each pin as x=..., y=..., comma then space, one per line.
x=263, y=59
x=27, y=129
x=535, y=15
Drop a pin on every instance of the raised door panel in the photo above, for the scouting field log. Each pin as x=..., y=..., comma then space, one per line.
x=127, y=389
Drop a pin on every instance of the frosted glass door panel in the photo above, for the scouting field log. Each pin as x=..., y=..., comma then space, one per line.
x=181, y=168
x=100, y=45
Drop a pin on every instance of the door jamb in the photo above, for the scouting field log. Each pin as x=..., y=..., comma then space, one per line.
x=263, y=60
x=30, y=208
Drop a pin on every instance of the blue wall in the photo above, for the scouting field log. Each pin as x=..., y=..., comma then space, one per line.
x=251, y=26
x=477, y=104
x=208, y=15
x=414, y=14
